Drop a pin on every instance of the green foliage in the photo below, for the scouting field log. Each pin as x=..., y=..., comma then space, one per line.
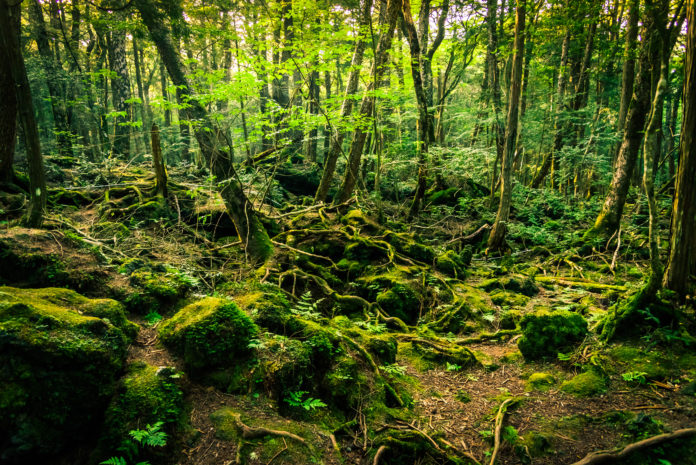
x=394, y=369
x=637, y=377
x=297, y=399
x=306, y=307
x=140, y=440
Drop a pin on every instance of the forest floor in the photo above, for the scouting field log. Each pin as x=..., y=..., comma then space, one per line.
x=645, y=385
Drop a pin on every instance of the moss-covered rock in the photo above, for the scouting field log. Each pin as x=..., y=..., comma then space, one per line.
x=518, y=284
x=410, y=245
x=146, y=395
x=508, y=299
x=451, y=264
x=60, y=354
x=585, y=384
x=210, y=333
x=544, y=334
x=397, y=294
x=540, y=381
x=510, y=319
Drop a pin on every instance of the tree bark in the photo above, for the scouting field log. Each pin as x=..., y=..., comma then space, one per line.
x=346, y=108
x=629, y=66
x=608, y=220
x=9, y=17
x=158, y=162
x=8, y=110
x=120, y=92
x=249, y=228
x=682, y=242
x=367, y=105
x=497, y=238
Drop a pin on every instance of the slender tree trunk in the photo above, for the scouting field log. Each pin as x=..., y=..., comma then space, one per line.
x=53, y=80
x=120, y=92
x=336, y=144
x=9, y=39
x=158, y=162
x=549, y=162
x=249, y=228
x=419, y=86
x=165, y=95
x=144, y=107
x=367, y=105
x=496, y=239
x=682, y=243
x=327, y=128
x=629, y=67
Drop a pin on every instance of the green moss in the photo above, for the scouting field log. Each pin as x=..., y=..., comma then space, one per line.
x=654, y=364
x=510, y=319
x=540, y=382
x=58, y=367
x=146, y=395
x=517, y=284
x=451, y=264
x=544, y=334
x=509, y=299
x=209, y=333
x=585, y=384
x=165, y=286
x=364, y=250
x=410, y=246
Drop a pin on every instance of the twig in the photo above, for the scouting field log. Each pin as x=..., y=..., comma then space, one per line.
x=599, y=457
x=498, y=429
x=249, y=432
x=280, y=244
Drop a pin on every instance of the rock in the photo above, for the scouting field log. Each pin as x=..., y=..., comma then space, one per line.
x=540, y=381
x=544, y=334
x=60, y=355
x=517, y=284
x=210, y=333
x=585, y=384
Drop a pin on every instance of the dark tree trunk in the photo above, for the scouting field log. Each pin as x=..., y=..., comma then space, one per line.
x=9, y=39
x=249, y=228
x=158, y=162
x=629, y=66
x=496, y=239
x=683, y=232
x=8, y=108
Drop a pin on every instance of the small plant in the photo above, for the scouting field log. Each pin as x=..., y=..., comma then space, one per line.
x=394, y=369
x=306, y=308
x=151, y=436
x=296, y=399
x=637, y=377
x=453, y=367
x=152, y=318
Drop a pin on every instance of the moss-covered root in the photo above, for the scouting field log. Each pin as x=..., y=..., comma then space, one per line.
x=643, y=308
x=399, y=445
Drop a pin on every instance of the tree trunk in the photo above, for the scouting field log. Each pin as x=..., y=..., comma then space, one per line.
x=158, y=162
x=249, y=228
x=683, y=231
x=9, y=37
x=608, y=220
x=120, y=92
x=8, y=108
x=629, y=66
x=336, y=145
x=53, y=80
x=418, y=70
x=496, y=239
x=367, y=105
x=144, y=107
x=313, y=109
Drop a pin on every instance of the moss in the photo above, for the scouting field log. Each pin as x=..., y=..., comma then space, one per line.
x=517, y=284
x=654, y=364
x=540, y=382
x=146, y=395
x=410, y=245
x=451, y=264
x=585, y=384
x=209, y=333
x=364, y=250
x=510, y=319
x=358, y=219
x=511, y=357
x=353, y=267
x=58, y=367
x=544, y=334
x=164, y=286
x=509, y=299
x=454, y=354
x=383, y=347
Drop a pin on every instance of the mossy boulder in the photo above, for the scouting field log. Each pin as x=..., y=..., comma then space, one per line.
x=410, y=245
x=540, y=382
x=508, y=299
x=510, y=319
x=60, y=356
x=365, y=250
x=451, y=264
x=518, y=284
x=146, y=395
x=585, y=384
x=397, y=294
x=210, y=333
x=358, y=219
x=544, y=334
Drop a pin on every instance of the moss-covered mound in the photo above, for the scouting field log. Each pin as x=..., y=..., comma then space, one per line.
x=146, y=395
x=518, y=284
x=544, y=333
x=157, y=287
x=210, y=333
x=585, y=384
x=60, y=354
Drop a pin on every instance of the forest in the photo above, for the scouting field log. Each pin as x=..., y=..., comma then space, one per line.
x=347, y=232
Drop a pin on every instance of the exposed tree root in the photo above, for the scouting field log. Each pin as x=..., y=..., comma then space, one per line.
x=578, y=282
x=498, y=429
x=249, y=432
x=496, y=336
x=600, y=457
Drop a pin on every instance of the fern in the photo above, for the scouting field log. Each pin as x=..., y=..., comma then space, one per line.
x=306, y=308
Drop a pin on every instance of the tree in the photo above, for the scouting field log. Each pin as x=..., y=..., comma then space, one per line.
x=9, y=18
x=683, y=231
x=8, y=113
x=496, y=239
x=210, y=140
